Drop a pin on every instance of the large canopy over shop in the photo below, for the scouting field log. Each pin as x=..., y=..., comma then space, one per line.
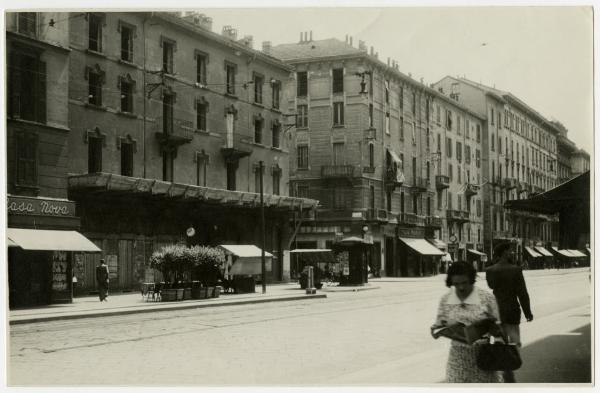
x=49, y=240
x=571, y=200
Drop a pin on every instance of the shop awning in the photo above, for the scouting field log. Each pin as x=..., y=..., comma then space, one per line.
x=543, y=251
x=438, y=244
x=421, y=246
x=476, y=252
x=589, y=250
x=446, y=257
x=244, y=250
x=47, y=240
x=564, y=253
x=577, y=253
x=532, y=252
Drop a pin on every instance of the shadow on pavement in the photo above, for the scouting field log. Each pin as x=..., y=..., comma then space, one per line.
x=561, y=358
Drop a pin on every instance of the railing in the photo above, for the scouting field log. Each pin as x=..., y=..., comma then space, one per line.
x=502, y=235
x=442, y=181
x=235, y=146
x=377, y=214
x=337, y=171
x=173, y=130
x=433, y=222
x=407, y=218
x=510, y=183
x=421, y=183
x=334, y=214
x=371, y=133
x=457, y=215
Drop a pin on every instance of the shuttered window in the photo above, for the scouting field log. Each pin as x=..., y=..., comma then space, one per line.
x=26, y=159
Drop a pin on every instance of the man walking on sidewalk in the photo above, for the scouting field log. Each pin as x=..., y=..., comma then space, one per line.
x=508, y=284
x=102, y=280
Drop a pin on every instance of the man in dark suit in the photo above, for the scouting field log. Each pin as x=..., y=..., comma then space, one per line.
x=507, y=281
x=102, y=280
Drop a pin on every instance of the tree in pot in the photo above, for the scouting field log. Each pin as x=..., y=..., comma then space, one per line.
x=173, y=261
x=208, y=262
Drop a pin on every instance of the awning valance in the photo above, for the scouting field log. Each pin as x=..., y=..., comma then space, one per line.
x=531, y=252
x=48, y=240
x=422, y=246
x=543, y=251
x=244, y=250
x=476, y=252
x=577, y=253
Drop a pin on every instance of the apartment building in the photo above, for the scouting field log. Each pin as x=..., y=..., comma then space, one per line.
x=520, y=158
x=390, y=159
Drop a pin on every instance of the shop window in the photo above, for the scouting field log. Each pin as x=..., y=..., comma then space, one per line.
x=26, y=159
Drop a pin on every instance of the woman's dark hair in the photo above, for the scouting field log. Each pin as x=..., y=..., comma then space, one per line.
x=461, y=269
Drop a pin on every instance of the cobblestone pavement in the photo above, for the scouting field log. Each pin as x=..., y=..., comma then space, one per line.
x=359, y=338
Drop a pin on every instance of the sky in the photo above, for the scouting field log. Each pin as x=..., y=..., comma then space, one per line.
x=541, y=54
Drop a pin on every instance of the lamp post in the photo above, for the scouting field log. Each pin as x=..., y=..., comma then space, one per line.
x=262, y=230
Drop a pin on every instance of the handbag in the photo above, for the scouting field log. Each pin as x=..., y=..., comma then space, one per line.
x=495, y=356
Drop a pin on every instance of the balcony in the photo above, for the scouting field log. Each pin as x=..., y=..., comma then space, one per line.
x=421, y=184
x=433, y=222
x=338, y=171
x=370, y=133
x=442, y=181
x=394, y=177
x=377, y=215
x=471, y=189
x=497, y=181
x=336, y=215
x=510, y=184
x=407, y=219
x=457, y=215
x=173, y=132
x=235, y=147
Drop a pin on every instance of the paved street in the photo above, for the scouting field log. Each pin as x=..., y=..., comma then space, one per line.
x=377, y=337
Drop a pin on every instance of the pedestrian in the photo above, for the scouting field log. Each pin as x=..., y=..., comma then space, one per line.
x=507, y=281
x=102, y=280
x=465, y=304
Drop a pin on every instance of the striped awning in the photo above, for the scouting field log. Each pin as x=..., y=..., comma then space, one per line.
x=532, y=252
x=543, y=251
x=577, y=253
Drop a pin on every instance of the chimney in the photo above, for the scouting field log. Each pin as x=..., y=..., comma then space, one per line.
x=388, y=61
x=248, y=41
x=206, y=22
x=362, y=46
x=311, y=35
x=350, y=40
x=300, y=37
x=266, y=47
x=306, y=36
x=230, y=32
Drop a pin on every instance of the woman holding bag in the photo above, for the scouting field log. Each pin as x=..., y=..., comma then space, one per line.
x=468, y=305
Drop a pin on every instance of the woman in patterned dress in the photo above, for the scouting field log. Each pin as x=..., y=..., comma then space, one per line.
x=466, y=304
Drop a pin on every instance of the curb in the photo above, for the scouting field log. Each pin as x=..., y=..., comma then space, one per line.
x=356, y=289
x=164, y=308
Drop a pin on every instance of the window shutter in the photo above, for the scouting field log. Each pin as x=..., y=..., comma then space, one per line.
x=14, y=87
x=41, y=93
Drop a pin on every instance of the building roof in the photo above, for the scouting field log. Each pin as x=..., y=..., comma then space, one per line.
x=505, y=96
x=331, y=47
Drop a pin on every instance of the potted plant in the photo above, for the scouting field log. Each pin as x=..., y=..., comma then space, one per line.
x=172, y=261
x=207, y=267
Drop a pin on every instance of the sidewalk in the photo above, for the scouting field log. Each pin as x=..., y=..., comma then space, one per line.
x=132, y=303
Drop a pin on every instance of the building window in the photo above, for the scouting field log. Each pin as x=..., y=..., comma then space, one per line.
x=26, y=87
x=387, y=123
x=27, y=23
x=477, y=158
x=201, y=111
x=478, y=208
x=401, y=99
x=302, y=119
x=26, y=159
x=439, y=143
x=438, y=114
x=302, y=84
x=258, y=88
x=126, y=159
x=402, y=162
x=338, y=113
x=168, y=52
x=231, y=174
x=458, y=151
x=201, y=63
x=467, y=154
x=302, y=191
x=492, y=116
x=338, y=154
x=458, y=125
x=448, y=119
x=371, y=115
x=371, y=155
x=126, y=43
x=257, y=175
x=450, y=172
x=414, y=104
x=258, y=127
x=302, y=156
x=401, y=128
x=449, y=147
x=94, y=154
x=230, y=85
x=275, y=93
x=387, y=91
x=276, y=180
x=126, y=95
x=95, y=87
x=492, y=139
x=338, y=80
x=94, y=32
x=276, y=135
x=201, y=169
x=167, y=111
x=439, y=200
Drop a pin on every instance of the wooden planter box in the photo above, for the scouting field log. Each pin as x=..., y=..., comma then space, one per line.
x=217, y=292
x=197, y=293
x=169, y=295
x=187, y=293
x=211, y=292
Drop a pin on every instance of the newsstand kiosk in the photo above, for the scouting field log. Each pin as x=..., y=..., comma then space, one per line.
x=353, y=255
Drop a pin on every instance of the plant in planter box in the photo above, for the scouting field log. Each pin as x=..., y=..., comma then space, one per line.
x=173, y=261
x=208, y=262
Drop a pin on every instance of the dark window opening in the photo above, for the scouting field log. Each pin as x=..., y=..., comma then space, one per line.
x=168, y=101
x=95, y=33
x=26, y=159
x=302, y=157
x=275, y=93
x=258, y=89
x=167, y=166
x=126, y=96
x=127, y=159
x=168, y=50
x=302, y=118
x=201, y=69
x=302, y=84
x=95, y=88
x=276, y=135
x=338, y=80
x=28, y=23
x=338, y=113
x=230, y=70
x=201, y=110
x=258, y=126
x=126, y=43
x=94, y=154
x=27, y=87
x=276, y=182
x=231, y=173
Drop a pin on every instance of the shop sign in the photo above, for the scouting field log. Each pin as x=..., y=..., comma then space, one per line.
x=40, y=207
x=414, y=233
